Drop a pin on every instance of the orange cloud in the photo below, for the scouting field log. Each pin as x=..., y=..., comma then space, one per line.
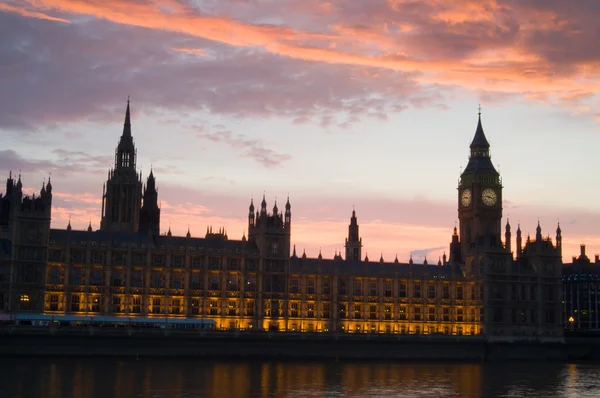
x=32, y=14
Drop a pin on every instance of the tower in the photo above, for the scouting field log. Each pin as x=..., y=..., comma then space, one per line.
x=479, y=198
x=25, y=221
x=507, y=237
x=121, y=198
x=353, y=241
x=150, y=212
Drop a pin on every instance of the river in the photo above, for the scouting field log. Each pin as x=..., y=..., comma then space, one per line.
x=145, y=378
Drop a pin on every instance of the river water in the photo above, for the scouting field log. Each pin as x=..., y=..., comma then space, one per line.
x=107, y=378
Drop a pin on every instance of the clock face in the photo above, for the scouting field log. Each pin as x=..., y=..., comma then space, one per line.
x=465, y=198
x=488, y=196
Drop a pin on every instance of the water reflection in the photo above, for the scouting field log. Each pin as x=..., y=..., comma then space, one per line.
x=105, y=378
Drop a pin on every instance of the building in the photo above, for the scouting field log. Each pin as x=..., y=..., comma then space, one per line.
x=259, y=282
x=581, y=279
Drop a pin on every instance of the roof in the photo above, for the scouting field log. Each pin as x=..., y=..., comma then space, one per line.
x=62, y=236
x=479, y=141
x=372, y=269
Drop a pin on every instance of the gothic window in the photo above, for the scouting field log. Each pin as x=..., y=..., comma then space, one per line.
x=417, y=292
x=251, y=284
x=175, y=306
x=417, y=314
x=117, y=307
x=357, y=287
x=55, y=278
x=311, y=310
x=342, y=311
x=275, y=248
x=402, y=291
x=117, y=277
x=156, y=304
x=294, y=309
x=250, y=308
x=157, y=280
x=215, y=283
x=326, y=289
x=137, y=279
x=53, y=302
x=76, y=276
x=373, y=289
x=372, y=312
x=96, y=303
x=446, y=314
x=402, y=312
x=214, y=307
x=137, y=305
x=96, y=277
x=310, y=289
x=459, y=315
x=326, y=310
x=388, y=289
x=232, y=283
x=195, y=307
x=446, y=291
x=356, y=311
x=176, y=281
x=342, y=287
x=431, y=290
x=459, y=292
x=431, y=314
x=232, y=306
x=294, y=286
x=125, y=159
x=196, y=262
x=196, y=281
x=388, y=312
x=75, y=303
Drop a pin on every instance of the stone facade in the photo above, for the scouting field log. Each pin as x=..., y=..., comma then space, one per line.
x=260, y=283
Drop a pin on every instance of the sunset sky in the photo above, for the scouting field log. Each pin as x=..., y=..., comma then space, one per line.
x=364, y=103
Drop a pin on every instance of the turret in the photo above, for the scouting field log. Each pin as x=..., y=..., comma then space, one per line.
x=519, y=241
x=150, y=212
x=507, y=237
x=353, y=241
x=251, y=214
x=559, y=239
x=288, y=214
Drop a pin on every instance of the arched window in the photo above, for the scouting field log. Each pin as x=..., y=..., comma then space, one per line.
x=125, y=159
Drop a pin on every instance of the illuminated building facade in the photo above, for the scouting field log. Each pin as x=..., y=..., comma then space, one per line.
x=581, y=281
x=260, y=283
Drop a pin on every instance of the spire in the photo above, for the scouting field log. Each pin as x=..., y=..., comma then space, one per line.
x=479, y=141
x=169, y=233
x=396, y=259
x=507, y=225
x=127, y=124
x=251, y=208
x=410, y=261
x=275, y=209
x=90, y=226
x=558, y=230
x=294, y=253
x=538, y=231
x=381, y=258
x=188, y=235
x=444, y=258
x=320, y=256
x=425, y=261
x=288, y=206
x=69, y=226
x=304, y=253
x=439, y=261
x=367, y=258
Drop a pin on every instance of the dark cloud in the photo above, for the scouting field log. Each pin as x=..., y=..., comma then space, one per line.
x=248, y=147
x=83, y=71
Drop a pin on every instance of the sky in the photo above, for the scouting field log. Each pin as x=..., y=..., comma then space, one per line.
x=340, y=104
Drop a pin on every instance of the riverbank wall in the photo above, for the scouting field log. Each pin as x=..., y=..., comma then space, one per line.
x=124, y=343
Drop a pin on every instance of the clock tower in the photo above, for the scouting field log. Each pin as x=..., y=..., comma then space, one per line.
x=479, y=199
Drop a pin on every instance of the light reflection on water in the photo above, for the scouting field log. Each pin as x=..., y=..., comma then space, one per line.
x=105, y=378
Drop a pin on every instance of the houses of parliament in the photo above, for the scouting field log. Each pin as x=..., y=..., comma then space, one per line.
x=127, y=268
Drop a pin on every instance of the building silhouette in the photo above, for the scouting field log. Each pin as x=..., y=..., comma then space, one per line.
x=126, y=268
